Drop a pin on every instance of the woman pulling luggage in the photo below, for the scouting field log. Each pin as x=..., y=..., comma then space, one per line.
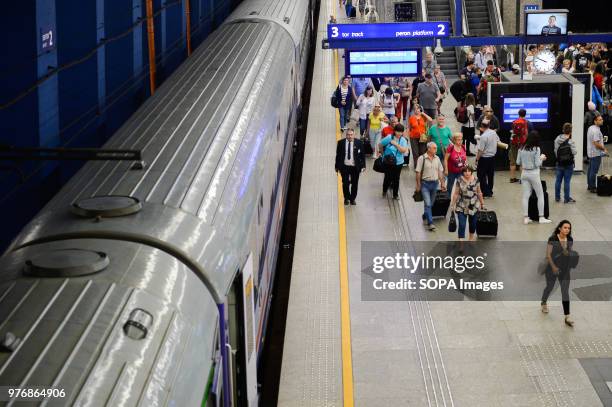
x=466, y=201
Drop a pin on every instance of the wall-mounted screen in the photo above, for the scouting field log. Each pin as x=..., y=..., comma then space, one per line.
x=383, y=63
x=546, y=22
x=537, y=106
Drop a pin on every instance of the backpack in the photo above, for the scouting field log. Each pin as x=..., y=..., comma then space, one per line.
x=519, y=131
x=564, y=154
x=461, y=113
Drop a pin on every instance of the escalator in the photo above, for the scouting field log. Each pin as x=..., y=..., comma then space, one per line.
x=482, y=18
x=478, y=20
x=440, y=10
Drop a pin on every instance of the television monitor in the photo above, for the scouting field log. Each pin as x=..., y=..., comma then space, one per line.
x=546, y=22
x=537, y=106
x=383, y=63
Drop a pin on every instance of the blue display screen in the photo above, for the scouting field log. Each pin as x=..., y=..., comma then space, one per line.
x=536, y=106
x=388, y=30
x=379, y=63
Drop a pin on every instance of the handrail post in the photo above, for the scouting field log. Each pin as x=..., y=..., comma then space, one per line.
x=151, y=42
x=188, y=26
x=458, y=17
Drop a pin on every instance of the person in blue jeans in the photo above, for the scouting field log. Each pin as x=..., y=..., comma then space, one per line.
x=595, y=149
x=344, y=95
x=393, y=148
x=429, y=176
x=465, y=199
x=565, y=151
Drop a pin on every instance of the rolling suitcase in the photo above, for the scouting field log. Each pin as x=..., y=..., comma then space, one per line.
x=604, y=181
x=486, y=223
x=533, y=213
x=440, y=205
x=604, y=185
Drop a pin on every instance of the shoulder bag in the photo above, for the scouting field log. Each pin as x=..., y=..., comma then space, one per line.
x=418, y=196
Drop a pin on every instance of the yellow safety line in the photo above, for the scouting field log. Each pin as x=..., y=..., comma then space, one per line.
x=345, y=306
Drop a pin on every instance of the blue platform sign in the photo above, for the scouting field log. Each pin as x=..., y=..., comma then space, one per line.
x=531, y=7
x=385, y=31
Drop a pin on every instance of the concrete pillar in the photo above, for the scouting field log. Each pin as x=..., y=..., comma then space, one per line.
x=48, y=111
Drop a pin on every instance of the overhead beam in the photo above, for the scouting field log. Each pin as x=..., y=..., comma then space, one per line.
x=401, y=43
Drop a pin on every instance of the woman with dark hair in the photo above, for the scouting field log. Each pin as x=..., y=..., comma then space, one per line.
x=565, y=151
x=558, y=253
x=469, y=128
x=365, y=104
x=388, y=102
x=530, y=159
x=465, y=199
x=344, y=95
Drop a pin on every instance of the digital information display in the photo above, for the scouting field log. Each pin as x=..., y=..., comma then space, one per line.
x=546, y=22
x=388, y=30
x=535, y=106
x=383, y=63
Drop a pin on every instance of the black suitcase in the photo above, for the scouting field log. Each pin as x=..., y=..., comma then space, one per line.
x=440, y=205
x=604, y=185
x=486, y=223
x=533, y=212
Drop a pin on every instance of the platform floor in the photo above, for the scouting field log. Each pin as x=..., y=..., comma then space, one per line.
x=426, y=353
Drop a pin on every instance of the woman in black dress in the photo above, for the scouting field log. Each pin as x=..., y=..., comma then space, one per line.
x=558, y=256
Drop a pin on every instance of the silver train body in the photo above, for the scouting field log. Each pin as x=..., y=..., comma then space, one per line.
x=151, y=286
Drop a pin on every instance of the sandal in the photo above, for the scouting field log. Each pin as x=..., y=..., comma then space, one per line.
x=569, y=322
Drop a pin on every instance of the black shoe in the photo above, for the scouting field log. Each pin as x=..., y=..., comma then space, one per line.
x=353, y=202
x=513, y=180
x=384, y=194
x=346, y=201
x=396, y=197
x=593, y=190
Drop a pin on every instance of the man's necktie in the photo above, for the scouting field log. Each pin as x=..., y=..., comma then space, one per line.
x=350, y=147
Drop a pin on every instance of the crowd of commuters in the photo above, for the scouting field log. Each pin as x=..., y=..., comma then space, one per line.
x=401, y=120
x=591, y=58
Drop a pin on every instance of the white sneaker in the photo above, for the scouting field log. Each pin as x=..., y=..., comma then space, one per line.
x=526, y=220
x=544, y=220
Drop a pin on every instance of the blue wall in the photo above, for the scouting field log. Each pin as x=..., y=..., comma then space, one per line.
x=72, y=73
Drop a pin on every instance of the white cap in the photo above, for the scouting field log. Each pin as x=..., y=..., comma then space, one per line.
x=516, y=67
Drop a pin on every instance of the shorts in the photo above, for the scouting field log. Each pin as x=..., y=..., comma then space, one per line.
x=513, y=154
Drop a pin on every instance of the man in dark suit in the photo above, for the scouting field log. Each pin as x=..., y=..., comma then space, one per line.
x=350, y=161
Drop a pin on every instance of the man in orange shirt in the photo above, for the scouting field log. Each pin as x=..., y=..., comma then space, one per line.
x=418, y=133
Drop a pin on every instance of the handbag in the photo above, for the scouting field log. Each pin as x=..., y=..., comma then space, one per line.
x=390, y=160
x=418, y=195
x=379, y=166
x=423, y=138
x=334, y=101
x=452, y=223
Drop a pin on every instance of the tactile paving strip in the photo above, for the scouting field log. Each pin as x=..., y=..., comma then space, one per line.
x=544, y=363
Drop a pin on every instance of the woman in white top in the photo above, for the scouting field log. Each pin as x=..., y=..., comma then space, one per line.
x=469, y=128
x=530, y=159
x=365, y=104
x=388, y=101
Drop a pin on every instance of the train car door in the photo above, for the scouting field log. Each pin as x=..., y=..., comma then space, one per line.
x=242, y=337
